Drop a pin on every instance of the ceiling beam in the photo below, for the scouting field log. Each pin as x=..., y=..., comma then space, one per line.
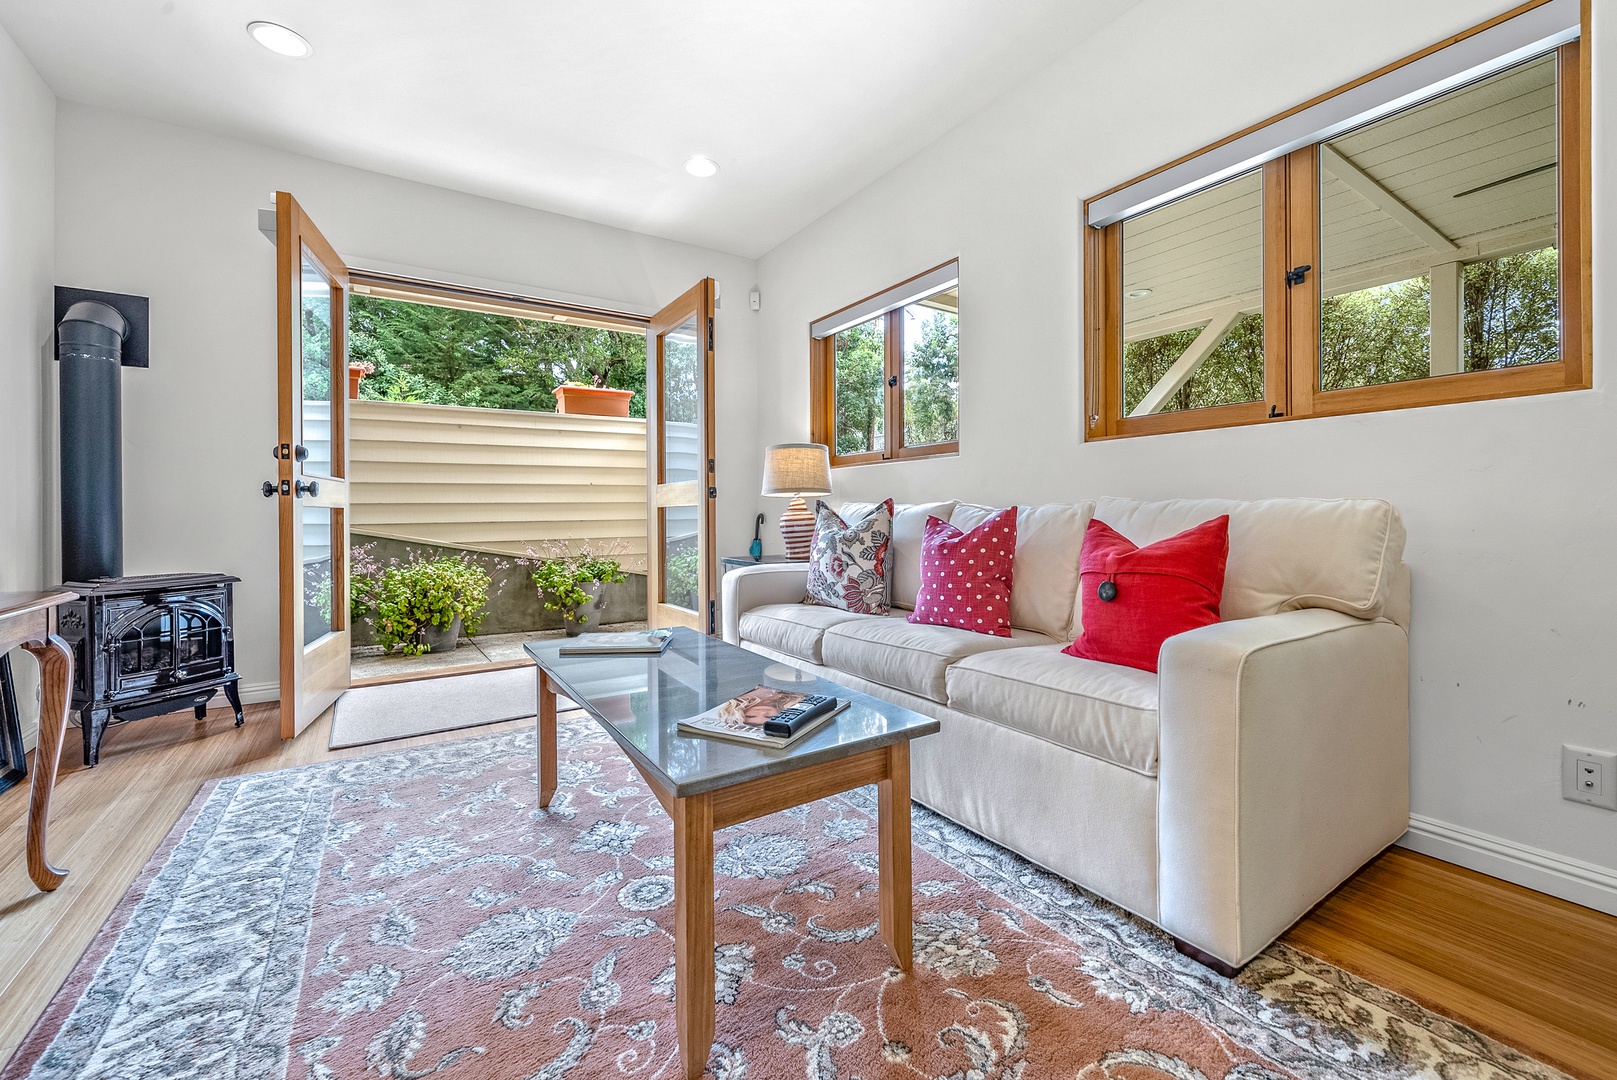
x=1369, y=189
x=1183, y=368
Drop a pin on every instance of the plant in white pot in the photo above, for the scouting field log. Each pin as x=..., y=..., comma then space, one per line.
x=572, y=582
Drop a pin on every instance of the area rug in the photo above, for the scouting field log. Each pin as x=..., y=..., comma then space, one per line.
x=414, y=914
x=373, y=714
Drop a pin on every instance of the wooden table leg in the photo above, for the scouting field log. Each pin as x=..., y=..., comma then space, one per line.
x=547, y=739
x=893, y=829
x=693, y=930
x=56, y=687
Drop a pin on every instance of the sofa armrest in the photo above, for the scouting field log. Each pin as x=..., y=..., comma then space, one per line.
x=1284, y=767
x=755, y=586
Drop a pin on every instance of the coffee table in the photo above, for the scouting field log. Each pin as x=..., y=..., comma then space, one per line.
x=706, y=784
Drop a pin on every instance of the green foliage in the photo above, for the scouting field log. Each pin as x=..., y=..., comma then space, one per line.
x=561, y=581
x=1377, y=335
x=681, y=577
x=1233, y=373
x=450, y=356
x=932, y=378
x=860, y=373
x=405, y=597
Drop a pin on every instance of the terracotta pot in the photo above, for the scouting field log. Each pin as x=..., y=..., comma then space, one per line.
x=592, y=401
x=355, y=376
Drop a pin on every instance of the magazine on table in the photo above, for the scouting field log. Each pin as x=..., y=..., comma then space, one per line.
x=765, y=716
x=622, y=643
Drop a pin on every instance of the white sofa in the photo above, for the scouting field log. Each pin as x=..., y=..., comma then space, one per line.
x=1221, y=798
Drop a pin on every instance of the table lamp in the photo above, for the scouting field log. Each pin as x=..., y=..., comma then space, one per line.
x=793, y=470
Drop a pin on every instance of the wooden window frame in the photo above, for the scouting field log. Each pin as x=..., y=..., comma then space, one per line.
x=822, y=388
x=1291, y=237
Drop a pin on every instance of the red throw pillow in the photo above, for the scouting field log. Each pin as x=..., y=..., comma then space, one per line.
x=1136, y=598
x=966, y=577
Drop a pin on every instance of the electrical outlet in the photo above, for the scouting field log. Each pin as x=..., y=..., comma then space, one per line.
x=1589, y=776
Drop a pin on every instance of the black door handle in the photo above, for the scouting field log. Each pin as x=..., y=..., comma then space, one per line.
x=268, y=489
x=307, y=487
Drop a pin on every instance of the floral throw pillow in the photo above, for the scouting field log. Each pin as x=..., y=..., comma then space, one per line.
x=848, y=563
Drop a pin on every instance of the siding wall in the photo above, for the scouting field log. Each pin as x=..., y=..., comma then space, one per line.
x=499, y=481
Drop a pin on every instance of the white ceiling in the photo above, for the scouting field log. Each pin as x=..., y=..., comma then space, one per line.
x=583, y=107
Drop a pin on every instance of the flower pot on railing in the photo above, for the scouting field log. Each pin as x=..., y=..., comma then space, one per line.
x=592, y=400
x=356, y=375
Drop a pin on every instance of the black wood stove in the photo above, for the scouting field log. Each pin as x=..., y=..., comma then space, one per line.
x=145, y=646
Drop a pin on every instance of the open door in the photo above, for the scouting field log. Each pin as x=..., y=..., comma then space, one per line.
x=312, y=460
x=680, y=479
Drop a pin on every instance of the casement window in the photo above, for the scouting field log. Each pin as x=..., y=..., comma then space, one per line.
x=1419, y=237
x=886, y=372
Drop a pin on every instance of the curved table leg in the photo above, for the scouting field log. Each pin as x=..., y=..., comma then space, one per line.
x=56, y=684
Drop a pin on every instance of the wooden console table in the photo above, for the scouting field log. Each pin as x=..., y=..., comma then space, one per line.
x=29, y=620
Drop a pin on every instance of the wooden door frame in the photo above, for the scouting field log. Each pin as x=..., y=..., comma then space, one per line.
x=696, y=301
x=295, y=233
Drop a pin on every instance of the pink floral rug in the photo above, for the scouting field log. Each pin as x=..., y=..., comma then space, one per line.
x=414, y=914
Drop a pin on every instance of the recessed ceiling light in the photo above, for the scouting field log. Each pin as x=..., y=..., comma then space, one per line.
x=1137, y=294
x=701, y=166
x=278, y=39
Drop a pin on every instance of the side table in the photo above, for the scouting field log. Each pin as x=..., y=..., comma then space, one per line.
x=736, y=562
x=29, y=620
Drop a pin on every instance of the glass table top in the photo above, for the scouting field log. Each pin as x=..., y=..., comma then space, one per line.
x=640, y=699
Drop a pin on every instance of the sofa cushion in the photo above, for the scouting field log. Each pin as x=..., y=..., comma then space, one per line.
x=793, y=629
x=848, y=561
x=1099, y=709
x=1044, y=577
x=894, y=652
x=904, y=557
x=1285, y=554
x=966, y=576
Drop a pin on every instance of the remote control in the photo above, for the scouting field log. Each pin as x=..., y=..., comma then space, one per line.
x=787, y=722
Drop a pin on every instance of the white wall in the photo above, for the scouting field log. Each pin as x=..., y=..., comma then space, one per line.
x=170, y=213
x=1512, y=524
x=27, y=124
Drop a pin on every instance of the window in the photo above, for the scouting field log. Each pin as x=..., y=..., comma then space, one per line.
x=886, y=372
x=1427, y=245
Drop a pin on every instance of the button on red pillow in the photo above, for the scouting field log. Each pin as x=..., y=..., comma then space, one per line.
x=1136, y=598
x=966, y=577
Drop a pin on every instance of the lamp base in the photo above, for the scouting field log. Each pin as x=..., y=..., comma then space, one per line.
x=797, y=529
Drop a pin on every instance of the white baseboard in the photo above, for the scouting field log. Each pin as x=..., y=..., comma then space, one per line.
x=1545, y=871
x=258, y=693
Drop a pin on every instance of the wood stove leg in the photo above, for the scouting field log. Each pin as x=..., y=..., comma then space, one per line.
x=93, y=725
x=56, y=688
x=233, y=695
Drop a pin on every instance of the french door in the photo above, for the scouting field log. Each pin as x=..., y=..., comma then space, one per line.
x=680, y=478
x=312, y=458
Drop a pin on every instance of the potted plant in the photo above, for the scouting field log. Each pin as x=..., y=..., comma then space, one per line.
x=356, y=373
x=572, y=584
x=581, y=399
x=422, y=605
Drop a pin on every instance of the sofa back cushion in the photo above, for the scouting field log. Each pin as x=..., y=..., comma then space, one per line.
x=1285, y=554
x=1044, y=579
x=904, y=556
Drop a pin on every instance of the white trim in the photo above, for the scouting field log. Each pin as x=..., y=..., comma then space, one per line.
x=920, y=288
x=258, y=693
x=1544, y=871
x=1529, y=34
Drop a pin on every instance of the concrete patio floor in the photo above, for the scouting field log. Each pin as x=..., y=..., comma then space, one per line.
x=370, y=663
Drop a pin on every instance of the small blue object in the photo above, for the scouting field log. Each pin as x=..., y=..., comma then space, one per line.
x=756, y=550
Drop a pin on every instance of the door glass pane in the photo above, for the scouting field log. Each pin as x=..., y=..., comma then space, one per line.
x=932, y=369
x=681, y=555
x=681, y=403
x=317, y=578
x=318, y=384
x=1437, y=236
x=1193, y=301
x=860, y=388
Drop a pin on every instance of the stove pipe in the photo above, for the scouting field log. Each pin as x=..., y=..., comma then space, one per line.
x=89, y=345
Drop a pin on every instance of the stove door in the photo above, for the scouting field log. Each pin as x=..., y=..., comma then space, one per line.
x=312, y=455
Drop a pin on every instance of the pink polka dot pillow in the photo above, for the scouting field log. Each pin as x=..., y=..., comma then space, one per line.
x=966, y=577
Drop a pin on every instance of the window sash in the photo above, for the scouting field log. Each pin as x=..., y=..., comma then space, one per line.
x=1291, y=315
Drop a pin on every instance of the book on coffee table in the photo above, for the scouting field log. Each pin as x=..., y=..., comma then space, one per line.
x=744, y=717
x=624, y=643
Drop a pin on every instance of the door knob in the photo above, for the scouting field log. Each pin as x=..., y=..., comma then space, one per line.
x=307, y=487
x=268, y=489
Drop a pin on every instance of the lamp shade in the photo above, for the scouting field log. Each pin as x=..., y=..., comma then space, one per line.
x=795, y=469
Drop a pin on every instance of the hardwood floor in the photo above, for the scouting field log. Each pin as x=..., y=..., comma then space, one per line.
x=1533, y=971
